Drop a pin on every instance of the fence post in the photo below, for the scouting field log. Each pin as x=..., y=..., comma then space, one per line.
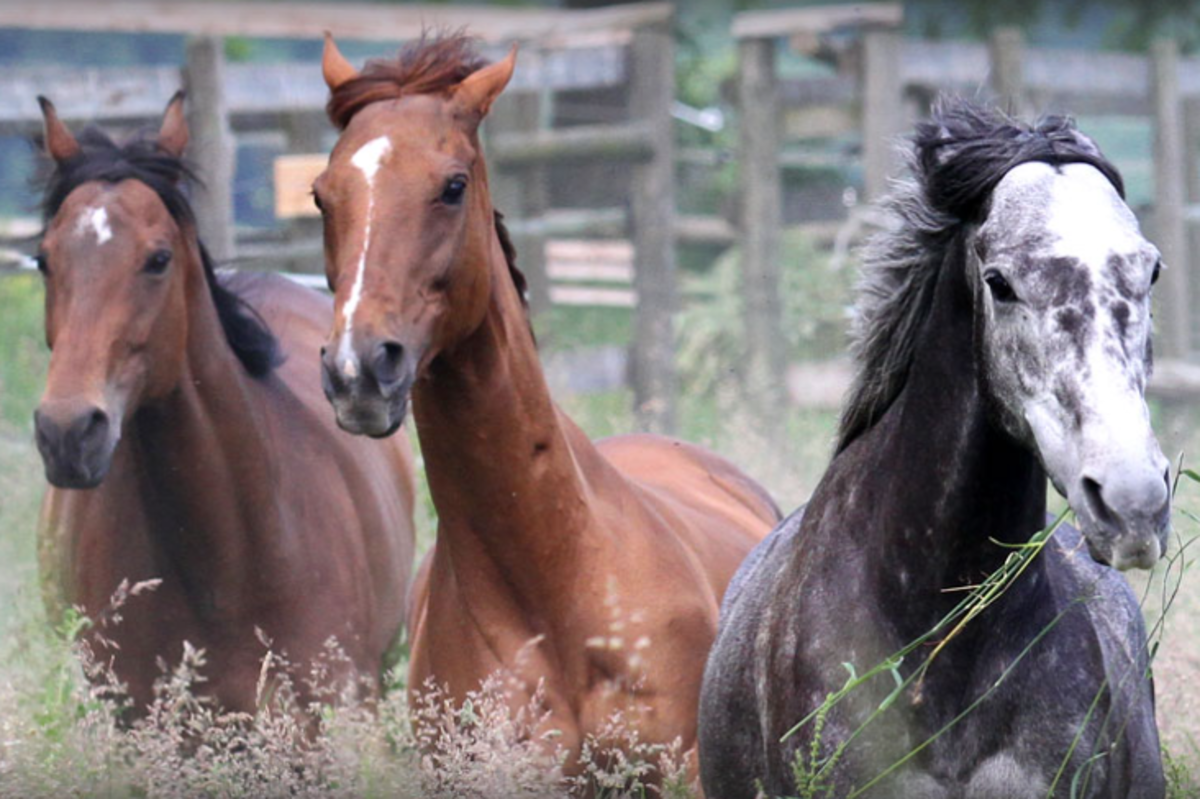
x=523, y=193
x=304, y=132
x=761, y=221
x=882, y=109
x=653, y=217
x=1191, y=144
x=213, y=149
x=1006, y=48
x=1170, y=176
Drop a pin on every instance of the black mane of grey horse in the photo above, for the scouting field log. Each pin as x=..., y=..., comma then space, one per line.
x=924, y=482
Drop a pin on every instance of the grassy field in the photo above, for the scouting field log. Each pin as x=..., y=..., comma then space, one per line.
x=57, y=736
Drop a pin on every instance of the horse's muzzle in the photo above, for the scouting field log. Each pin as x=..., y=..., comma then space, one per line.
x=369, y=394
x=76, y=443
x=1125, y=517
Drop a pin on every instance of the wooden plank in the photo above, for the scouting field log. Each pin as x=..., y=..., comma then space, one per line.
x=108, y=93
x=1175, y=380
x=958, y=66
x=825, y=90
x=596, y=297
x=600, y=272
x=711, y=230
x=964, y=66
x=294, y=176
x=367, y=21
x=819, y=122
x=633, y=141
x=572, y=222
x=589, y=250
x=1170, y=175
x=1087, y=73
x=815, y=19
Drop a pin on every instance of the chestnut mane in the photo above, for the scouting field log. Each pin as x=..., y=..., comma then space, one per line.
x=426, y=66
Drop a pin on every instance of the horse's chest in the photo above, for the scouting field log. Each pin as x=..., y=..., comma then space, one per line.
x=1003, y=775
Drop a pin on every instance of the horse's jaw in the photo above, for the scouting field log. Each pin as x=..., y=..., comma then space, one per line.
x=1117, y=483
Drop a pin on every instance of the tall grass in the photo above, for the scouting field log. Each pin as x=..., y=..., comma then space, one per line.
x=65, y=730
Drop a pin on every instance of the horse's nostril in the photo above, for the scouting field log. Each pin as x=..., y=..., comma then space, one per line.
x=388, y=365
x=1094, y=494
x=91, y=425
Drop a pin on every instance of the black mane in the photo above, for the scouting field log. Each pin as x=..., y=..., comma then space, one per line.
x=141, y=159
x=965, y=150
x=957, y=159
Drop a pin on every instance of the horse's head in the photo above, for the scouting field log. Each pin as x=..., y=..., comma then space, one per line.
x=114, y=303
x=408, y=226
x=1061, y=277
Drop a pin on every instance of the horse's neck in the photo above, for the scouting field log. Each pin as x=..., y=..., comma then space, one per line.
x=503, y=465
x=954, y=484
x=203, y=456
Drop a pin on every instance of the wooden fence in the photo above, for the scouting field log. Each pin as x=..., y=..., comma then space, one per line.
x=885, y=82
x=628, y=46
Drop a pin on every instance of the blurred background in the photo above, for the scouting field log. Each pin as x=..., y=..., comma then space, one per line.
x=686, y=184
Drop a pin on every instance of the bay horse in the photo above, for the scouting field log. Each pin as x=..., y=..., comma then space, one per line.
x=595, y=570
x=1002, y=337
x=186, y=439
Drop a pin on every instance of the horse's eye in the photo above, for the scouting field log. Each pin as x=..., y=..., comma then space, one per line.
x=452, y=194
x=43, y=267
x=1001, y=290
x=1157, y=270
x=157, y=263
x=317, y=201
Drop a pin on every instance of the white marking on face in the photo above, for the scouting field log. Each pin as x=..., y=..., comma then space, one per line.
x=1083, y=329
x=1088, y=219
x=94, y=220
x=367, y=160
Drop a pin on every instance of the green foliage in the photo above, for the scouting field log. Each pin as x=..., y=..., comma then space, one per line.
x=815, y=299
x=23, y=354
x=1183, y=780
x=238, y=48
x=809, y=772
x=567, y=327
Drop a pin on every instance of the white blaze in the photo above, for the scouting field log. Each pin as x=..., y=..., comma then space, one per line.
x=368, y=159
x=94, y=220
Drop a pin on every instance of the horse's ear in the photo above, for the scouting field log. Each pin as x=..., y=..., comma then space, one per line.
x=480, y=89
x=173, y=134
x=60, y=144
x=334, y=66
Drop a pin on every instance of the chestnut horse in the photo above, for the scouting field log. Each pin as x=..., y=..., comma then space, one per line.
x=185, y=437
x=595, y=569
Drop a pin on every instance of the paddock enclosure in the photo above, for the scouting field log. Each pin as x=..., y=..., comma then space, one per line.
x=687, y=186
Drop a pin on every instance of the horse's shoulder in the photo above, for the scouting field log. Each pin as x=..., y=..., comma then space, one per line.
x=1115, y=625
x=756, y=574
x=281, y=302
x=672, y=468
x=1111, y=603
